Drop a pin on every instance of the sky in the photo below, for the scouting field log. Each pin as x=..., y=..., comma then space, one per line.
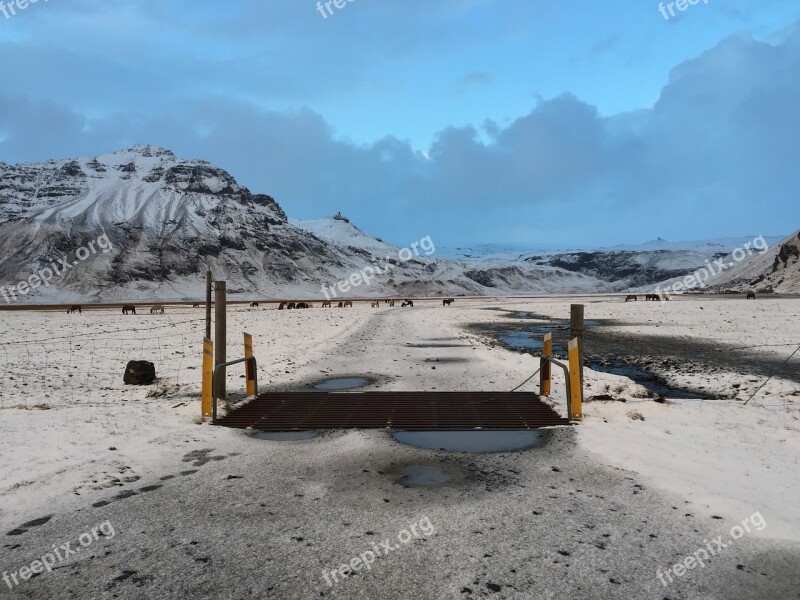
x=564, y=123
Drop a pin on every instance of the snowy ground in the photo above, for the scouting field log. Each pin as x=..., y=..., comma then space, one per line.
x=199, y=511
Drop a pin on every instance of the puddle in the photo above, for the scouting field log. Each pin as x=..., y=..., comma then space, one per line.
x=484, y=440
x=655, y=384
x=342, y=383
x=437, y=346
x=423, y=476
x=285, y=436
x=447, y=360
x=529, y=340
x=525, y=338
x=520, y=337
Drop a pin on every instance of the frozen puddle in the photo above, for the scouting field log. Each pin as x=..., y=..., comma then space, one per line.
x=286, y=436
x=471, y=441
x=423, y=476
x=342, y=383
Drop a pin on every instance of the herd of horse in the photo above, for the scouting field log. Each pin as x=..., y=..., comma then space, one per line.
x=655, y=297
x=130, y=309
x=348, y=304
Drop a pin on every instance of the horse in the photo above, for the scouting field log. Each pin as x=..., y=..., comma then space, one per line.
x=391, y=302
x=376, y=304
x=303, y=305
x=75, y=308
x=447, y=301
x=651, y=297
x=129, y=308
x=341, y=305
x=195, y=305
x=254, y=305
x=631, y=297
x=327, y=304
x=282, y=306
x=157, y=308
x=408, y=303
x=348, y=304
x=291, y=305
x=751, y=296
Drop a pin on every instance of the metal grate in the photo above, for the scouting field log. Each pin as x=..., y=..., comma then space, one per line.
x=290, y=411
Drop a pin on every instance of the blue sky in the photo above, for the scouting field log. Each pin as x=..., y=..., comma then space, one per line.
x=539, y=121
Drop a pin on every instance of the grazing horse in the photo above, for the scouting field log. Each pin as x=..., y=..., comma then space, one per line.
x=157, y=308
x=129, y=309
x=195, y=305
x=75, y=308
x=376, y=304
x=254, y=305
x=291, y=305
x=751, y=296
x=408, y=303
x=651, y=297
x=303, y=305
x=348, y=304
x=340, y=305
x=326, y=304
x=631, y=297
x=282, y=305
x=447, y=301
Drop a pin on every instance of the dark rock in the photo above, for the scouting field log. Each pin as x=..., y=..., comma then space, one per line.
x=140, y=372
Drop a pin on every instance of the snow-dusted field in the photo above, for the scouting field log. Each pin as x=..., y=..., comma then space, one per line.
x=592, y=513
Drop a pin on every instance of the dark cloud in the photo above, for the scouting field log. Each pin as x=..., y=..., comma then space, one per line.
x=716, y=155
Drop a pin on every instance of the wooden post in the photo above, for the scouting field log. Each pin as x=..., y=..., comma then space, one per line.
x=544, y=373
x=208, y=372
x=249, y=370
x=209, y=278
x=575, y=400
x=220, y=338
x=576, y=331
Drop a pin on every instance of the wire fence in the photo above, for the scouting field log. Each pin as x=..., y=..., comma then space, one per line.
x=88, y=367
x=86, y=361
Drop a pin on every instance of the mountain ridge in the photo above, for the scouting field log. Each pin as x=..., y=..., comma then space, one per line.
x=169, y=219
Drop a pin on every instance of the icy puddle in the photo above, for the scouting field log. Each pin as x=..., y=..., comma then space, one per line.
x=423, y=476
x=286, y=436
x=338, y=384
x=471, y=441
x=529, y=338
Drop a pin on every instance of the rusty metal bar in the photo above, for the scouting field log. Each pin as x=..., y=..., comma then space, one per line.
x=292, y=411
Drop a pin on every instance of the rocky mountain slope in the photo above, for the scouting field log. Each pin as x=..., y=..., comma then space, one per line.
x=777, y=270
x=167, y=220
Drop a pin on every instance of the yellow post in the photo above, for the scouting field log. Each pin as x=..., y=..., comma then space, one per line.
x=208, y=374
x=575, y=401
x=249, y=371
x=547, y=351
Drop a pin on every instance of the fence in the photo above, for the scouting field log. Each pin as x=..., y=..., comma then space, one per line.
x=86, y=364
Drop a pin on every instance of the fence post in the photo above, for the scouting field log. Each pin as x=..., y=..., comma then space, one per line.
x=208, y=375
x=209, y=278
x=249, y=369
x=544, y=373
x=576, y=330
x=220, y=340
x=575, y=399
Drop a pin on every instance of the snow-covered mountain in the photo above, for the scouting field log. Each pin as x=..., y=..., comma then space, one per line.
x=169, y=219
x=717, y=245
x=776, y=270
x=166, y=220
x=338, y=230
